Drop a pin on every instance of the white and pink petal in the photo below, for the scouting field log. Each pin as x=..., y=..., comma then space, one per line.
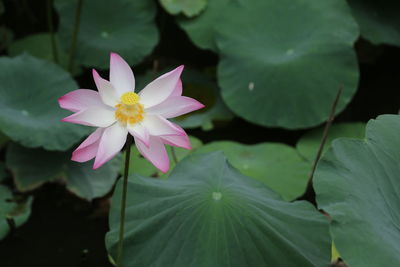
x=80, y=99
x=93, y=116
x=121, y=75
x=157, y=125
x=111, y=143
x=178, y=141
x=106, y=90
x=140, y=132
x=161, y=88
x=155, y=153
x=175, y=106
x=88, y=149
x=178, y=89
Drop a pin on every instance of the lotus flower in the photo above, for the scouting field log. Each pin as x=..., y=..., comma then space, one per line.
x=118, y=111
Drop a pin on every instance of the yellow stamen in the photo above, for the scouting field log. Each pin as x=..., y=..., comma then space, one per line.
x=130, y=98
x=129, y=110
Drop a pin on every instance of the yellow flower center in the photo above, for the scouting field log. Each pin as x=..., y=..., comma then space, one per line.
x=129, y=110
x=130, y=98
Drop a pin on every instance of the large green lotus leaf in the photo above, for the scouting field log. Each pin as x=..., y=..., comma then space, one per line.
x=379, y=20
x=309, y=143
x=141, y=166
x=358, y=183
x=278, y=68
x=188, y=7
x=39, y=45
x=33, y=167
x=30, y=114
x=279, y=166
x=123, y=26
x=208, y=214
x=201, y=29
x=199, y=86
x=11, y=208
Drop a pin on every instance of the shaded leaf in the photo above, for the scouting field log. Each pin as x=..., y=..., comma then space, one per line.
x=10, y=209
x=33, y=167
x=30, y=114
x=379, y=20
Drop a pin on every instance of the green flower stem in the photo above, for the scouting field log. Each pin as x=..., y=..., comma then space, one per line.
x=174, y=157
x=123, y=202
x=51, y=30
x=75, y=35
x=323, y=140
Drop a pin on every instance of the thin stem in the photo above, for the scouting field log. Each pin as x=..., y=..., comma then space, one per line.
x=174, y=157
x=323, y=139
x=11, y=225
x=123, y=202
x=155, y=66
x=75, y=35
x=51, y=30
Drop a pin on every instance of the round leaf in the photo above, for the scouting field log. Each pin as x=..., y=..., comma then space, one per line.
x=208, y=214
x=277, y=165
x=124, y=27
x=379, y=20
x=33, y=167
x=278, y=68
x=358, y=183
x=30, y=115
x=309, y=143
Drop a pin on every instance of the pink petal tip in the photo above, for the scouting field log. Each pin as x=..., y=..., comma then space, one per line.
x=164, y=170
x=113, y=54
x=97, y=165
x=95, y=73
